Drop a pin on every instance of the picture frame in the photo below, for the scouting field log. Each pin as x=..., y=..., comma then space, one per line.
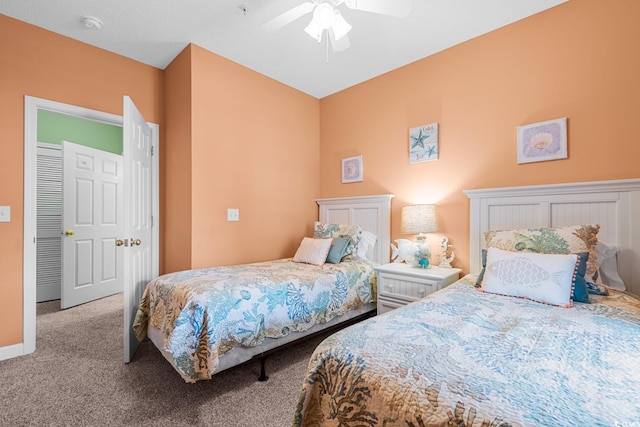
x=423, y=143
x=542, y=141
x=352, y=169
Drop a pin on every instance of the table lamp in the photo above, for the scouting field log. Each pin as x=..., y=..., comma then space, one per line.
x=420, y=219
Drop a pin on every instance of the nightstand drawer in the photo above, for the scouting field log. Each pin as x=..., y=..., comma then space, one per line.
x=406, y=288
x=399, y=284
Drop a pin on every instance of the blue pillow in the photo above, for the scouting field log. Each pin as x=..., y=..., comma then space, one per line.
x=580, y=293
x=580, y=288
x=338, y=249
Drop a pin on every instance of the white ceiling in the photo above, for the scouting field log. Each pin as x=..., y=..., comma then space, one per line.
x=155, y=31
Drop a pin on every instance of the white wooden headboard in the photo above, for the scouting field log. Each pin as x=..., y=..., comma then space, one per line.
x=615, y=205
x=372, y=213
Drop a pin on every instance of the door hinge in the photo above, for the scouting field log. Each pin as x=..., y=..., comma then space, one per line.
x=152, y=220
x=152, y=150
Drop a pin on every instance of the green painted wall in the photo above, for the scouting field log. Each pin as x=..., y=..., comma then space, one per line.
x=55, y=128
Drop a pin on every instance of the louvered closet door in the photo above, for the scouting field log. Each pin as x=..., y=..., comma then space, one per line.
x=49, y=218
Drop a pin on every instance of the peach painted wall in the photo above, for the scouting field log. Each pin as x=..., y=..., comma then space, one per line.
x=175, y=181
x=578, y=60
x=39, y=63
x=255, y=147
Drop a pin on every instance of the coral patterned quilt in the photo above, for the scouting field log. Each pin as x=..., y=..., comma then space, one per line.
x=205, y=313
x=461, y=357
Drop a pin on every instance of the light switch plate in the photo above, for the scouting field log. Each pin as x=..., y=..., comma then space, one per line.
x=233, y=214
x=5, y=213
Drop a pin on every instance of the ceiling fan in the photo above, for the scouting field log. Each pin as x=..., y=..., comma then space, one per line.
x=326, y=16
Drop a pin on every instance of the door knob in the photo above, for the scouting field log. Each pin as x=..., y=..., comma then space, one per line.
x=68, y=233
x=136, y=242
x=119, y=242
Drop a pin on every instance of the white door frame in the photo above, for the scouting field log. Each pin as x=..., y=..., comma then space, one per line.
x=31, y=107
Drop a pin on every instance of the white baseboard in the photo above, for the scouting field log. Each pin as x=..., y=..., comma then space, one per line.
x=11, y=351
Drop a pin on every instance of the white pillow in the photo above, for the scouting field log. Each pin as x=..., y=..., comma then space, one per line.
x=313, y=251
x=607, y=264
x=367, y=242
x=546, y=278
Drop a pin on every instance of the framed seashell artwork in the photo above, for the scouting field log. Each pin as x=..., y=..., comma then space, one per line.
x=542, y=141
x=352, y=169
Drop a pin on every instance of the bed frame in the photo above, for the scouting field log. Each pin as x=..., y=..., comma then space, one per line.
x=372, y=213
x=615, y=205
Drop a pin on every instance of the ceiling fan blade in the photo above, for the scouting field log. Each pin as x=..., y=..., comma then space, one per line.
x=341, y=44
x=288, y=17
x=397, y=8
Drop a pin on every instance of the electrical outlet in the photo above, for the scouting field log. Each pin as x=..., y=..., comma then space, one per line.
x=233, y=214
x=5, y=213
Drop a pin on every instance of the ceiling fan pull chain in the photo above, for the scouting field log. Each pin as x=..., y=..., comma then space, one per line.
x=327, y=50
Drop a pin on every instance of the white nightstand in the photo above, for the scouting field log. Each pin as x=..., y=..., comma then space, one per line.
x=399, y=283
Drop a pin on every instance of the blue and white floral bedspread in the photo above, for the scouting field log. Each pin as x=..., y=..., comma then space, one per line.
x=461, y=357
x=205, y=313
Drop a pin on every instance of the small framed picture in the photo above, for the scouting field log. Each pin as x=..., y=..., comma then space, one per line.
x=542, y=141
x=352, y=169
x=423, y=143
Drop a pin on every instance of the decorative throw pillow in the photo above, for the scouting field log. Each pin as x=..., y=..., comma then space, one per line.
x=313, y=251
x=326, y=230
x=337, y=250
x=545, y=278
x=580, y=290
x=607, y=265
x=563, y=240
x=484, y=267
x=580, y=287
x=367, y=242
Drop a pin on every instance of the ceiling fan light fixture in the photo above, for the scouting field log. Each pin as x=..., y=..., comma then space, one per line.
x=314, y=30
x=340, y=27
x=324, y=15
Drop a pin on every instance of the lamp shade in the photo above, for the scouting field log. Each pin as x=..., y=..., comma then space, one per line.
x=419, y=219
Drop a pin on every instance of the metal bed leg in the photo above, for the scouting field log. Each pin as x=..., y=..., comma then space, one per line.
x=263, y=375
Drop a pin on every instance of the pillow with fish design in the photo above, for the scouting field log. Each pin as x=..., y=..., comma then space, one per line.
x=562, y=240
x=581, y=289
x=545, y=278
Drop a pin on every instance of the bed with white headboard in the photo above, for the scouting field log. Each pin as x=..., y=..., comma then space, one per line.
x=248, y=308
x=471, y=355
x=614, y=204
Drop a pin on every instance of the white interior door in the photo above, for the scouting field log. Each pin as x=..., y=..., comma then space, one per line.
x=138, y=222
x=92, y=221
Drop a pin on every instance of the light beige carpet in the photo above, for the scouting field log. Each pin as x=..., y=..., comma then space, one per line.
x=76, y=377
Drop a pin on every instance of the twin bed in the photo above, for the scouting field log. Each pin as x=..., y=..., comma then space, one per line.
x=467, y=357
x=207, y=320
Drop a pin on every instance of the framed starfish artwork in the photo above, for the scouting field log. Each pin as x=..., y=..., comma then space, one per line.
x=423, y=143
